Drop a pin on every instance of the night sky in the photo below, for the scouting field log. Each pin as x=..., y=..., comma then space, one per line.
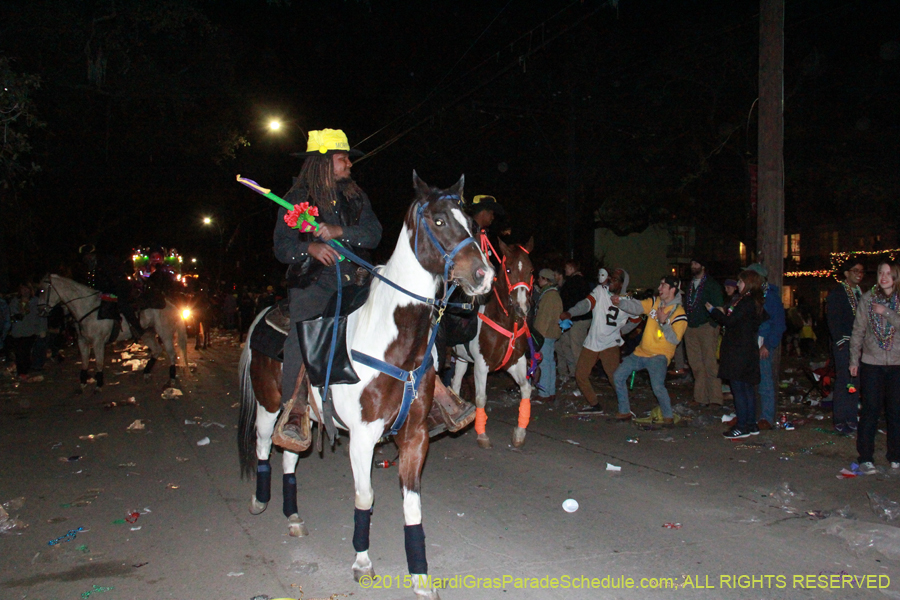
x=634, y=111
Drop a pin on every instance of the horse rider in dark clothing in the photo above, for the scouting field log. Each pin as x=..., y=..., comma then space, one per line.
x=345, y=215
x=108, y=276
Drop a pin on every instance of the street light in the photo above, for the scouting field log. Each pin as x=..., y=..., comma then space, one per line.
x=274, y=125
x=207, y=220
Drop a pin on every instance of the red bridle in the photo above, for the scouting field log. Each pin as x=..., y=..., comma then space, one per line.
x=518, y=330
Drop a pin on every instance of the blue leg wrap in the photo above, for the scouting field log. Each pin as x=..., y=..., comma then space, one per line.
x=362, y=519
x=98, y=377
x=263, y=481
x=414, y=535
x=84, y=376
x=149, y=366
x=171, y=371
x=289, y=488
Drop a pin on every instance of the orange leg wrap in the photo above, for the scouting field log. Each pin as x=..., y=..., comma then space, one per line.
x=480, y=420
x=524, y=412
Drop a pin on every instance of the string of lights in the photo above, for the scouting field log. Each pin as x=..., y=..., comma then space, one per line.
x=838, y=259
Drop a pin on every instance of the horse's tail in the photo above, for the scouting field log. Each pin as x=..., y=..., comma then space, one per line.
x=247, y=422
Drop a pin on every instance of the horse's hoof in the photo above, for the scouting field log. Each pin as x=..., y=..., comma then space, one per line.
x=360, y=572
x=257, y=507
x=421, y=592
x=296, y=526
x=518, y=437
x=484, y=442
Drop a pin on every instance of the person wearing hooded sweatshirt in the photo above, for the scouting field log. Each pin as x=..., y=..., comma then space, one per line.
x=666, y=323
x=604, y=338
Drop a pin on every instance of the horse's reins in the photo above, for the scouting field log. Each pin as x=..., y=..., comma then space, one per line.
x=66, y=302
x=410, y=378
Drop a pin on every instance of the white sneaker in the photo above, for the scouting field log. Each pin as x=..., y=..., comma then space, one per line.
x=895, y=465
x=867, y=468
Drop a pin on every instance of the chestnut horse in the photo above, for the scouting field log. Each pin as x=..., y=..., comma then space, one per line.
x=502, y=339
x=394, y=328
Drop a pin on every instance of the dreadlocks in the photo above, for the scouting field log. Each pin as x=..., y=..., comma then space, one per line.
x=317, y=178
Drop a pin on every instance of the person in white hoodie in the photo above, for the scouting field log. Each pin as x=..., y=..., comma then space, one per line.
x=604, y=338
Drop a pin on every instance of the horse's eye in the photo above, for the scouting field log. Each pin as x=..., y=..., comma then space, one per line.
x=439, y=222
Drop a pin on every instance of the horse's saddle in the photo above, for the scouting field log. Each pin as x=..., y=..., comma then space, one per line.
x=315, y=336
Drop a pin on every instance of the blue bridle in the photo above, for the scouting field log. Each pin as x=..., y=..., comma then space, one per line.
x=409, y=378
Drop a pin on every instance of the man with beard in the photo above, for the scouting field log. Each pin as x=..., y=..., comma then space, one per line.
x=345, y=214
x=702, y=335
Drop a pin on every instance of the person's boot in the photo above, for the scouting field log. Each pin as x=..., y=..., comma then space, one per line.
x=455, y=412
x=292, y=430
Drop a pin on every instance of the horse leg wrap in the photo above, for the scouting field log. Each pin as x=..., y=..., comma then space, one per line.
x=289, y=489
x=480, y=421
x=98, y=377
x=414, y=536
x=524, y=412
x=171, y=371
x=84, y=376
x=361, y=521
x=263, y=481
x=149, y=366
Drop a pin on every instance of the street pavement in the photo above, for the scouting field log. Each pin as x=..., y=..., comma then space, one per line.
x=749, y=519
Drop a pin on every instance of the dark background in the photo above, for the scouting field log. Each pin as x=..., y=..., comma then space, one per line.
x=125, y=122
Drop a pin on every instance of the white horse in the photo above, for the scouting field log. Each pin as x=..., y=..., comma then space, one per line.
x=393, y=328
x=83, y=303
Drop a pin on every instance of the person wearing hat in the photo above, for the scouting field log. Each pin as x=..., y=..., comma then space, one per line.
x=702, y=336
x=770, y=333
x=546, y=323
x=840, y=310
x=740, y=345
x=666, y=323
x=730, y=286
x=484, y=210
x=345, y=214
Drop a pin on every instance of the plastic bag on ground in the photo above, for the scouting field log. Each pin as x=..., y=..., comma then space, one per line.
x=7, y=522
x=884, y=508
x=862, y=536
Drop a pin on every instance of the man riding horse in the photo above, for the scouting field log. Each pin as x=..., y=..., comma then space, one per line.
x=108, y=276
x=345, y=214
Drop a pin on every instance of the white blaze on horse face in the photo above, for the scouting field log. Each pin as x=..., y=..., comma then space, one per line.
x=521, y=296
x=463, y=220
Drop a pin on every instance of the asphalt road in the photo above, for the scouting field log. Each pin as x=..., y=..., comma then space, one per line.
x=488, y=515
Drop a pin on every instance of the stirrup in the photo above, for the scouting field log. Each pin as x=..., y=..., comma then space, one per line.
x=294, y=443
x=455, y=412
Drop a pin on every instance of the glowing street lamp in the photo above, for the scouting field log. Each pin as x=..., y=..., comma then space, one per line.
x=207, y=220
x=274, y=125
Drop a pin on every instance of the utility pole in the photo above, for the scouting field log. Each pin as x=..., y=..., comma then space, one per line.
x=770, y=147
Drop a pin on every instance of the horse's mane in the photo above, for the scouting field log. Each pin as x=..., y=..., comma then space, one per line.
x=80, y=287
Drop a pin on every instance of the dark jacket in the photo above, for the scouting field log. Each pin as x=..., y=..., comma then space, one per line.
x=773, y=328
x=840, y=315
x=695, y=304
x=573, y=290
x=739, y=353
x=362, y=231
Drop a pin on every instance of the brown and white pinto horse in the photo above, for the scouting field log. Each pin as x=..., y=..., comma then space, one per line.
x=502, y=340
x=393, y=326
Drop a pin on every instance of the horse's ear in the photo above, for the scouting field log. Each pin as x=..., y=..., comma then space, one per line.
x=530, y=245
x=504, y=249
x=422, y=188
x=459, y=185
